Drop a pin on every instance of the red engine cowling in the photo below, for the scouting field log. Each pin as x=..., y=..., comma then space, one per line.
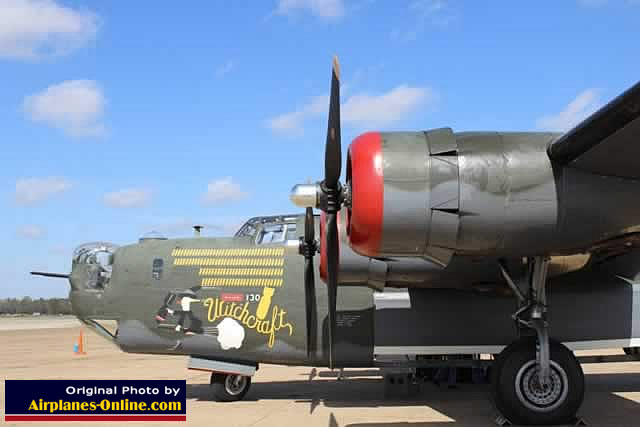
x=365, y=178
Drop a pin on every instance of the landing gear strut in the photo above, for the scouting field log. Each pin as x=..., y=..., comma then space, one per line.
x=536, y=380
x=533, y=310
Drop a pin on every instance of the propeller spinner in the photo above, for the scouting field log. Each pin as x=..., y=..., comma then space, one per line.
x=327, y=196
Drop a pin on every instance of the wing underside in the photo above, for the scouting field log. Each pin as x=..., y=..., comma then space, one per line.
x=607, y=142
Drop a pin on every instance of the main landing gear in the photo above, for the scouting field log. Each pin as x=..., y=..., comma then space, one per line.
x=229, y=387
x=536, y=380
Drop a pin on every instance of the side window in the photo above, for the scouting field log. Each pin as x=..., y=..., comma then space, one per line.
x=291, y=232
x=271, y=234
x=156, y=269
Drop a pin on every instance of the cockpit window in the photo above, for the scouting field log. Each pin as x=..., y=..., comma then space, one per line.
x=98, y=259
x=273, y=233
x=291, y=232
x=250, y=228
x=156, y=269
x=247, y=230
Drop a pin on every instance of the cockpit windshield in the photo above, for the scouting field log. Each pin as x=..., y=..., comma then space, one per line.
x=98, y=259
x=272, y=228
x=248, y=229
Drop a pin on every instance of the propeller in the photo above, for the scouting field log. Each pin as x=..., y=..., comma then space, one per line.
x=327, y=196
x=308, y=248
x=331, y=199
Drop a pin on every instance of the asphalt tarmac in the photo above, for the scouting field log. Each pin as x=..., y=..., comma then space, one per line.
x=286, y=396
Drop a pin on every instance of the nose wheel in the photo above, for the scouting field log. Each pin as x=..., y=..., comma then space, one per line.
x=229, y=387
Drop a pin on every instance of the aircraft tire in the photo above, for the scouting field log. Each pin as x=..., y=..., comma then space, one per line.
x=229, y=387
x=517, y=394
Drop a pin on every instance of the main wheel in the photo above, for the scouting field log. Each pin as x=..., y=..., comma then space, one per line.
x=518, y=394
x=229, y=387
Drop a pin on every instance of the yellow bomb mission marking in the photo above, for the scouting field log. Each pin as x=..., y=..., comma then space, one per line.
x=191, y=252
x=228, y=281
x=229, y=262
x=241, y=271
x=268, y=326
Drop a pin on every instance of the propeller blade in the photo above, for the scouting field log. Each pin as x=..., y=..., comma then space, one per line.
x=310, y=302
x=333, y=149
x=309, y=227
x=331, y=184
x=45, y=274
x=331, y=240
x=309, y=282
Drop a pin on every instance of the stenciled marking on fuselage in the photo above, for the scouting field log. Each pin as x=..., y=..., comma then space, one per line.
x=193, y=252
x=268, y=326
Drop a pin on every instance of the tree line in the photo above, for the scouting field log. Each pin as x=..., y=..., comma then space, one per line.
x=28, y=305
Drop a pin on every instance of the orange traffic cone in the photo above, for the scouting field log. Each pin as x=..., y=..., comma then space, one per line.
x=78, y=347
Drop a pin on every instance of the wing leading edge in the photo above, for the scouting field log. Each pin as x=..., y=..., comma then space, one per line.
x=607, y=142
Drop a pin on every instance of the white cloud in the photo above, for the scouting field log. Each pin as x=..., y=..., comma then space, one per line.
x=32, y=29
x=75, y=106
x=586, y=103
x=381, y=110
x=291, y=123
x=359, y=109
x=31, y=191
x=32, y=232
x=128, y=198
x=223, y=190
x=225, y=68
x=326, y=9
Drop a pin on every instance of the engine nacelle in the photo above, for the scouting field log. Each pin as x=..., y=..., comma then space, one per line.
x=436, y=193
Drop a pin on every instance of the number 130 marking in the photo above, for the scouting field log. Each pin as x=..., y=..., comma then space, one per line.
x=252, y=297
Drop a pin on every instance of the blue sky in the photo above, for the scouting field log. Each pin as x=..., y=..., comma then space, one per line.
x=118, y=118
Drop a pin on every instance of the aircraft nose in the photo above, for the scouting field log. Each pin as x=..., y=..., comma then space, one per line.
x=86, y=304
x=79, y=304
x=74, y=282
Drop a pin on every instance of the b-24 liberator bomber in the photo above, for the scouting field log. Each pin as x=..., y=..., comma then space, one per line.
x=523, y=245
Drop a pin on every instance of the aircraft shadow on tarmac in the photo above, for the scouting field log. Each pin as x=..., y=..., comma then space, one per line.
x=468, y=404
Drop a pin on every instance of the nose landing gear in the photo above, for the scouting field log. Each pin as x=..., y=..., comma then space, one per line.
x=229, y=387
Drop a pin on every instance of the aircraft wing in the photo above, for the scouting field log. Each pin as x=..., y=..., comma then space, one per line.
x=607, y=142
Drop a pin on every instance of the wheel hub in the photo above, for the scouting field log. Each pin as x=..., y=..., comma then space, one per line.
x=235, y=384
x=537, y=396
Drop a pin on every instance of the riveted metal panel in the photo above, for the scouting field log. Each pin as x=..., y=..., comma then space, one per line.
x=406, y=193
x=440, y=256
x=441, y=141
x=444, y=229
x=484, y=184
x=445, y=196
x=444, y=182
